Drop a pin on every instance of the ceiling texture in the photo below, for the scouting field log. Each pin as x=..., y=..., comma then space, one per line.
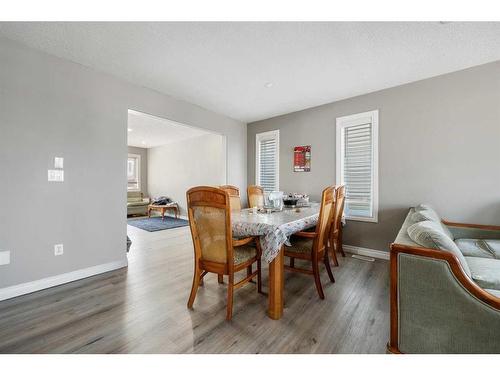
x=227, y=67
x=149, y=131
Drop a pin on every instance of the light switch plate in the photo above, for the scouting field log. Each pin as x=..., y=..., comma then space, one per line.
x=58, y=249
x=4, y=258
x=55, y=175
x=52, y=175
x=58, y=162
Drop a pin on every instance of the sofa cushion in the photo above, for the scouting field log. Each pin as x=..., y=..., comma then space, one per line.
x=300, y=245
x=496, y=293
x=485, y=272
x=424, y=206
x=134, y=199
x=430, y=234
x=403, y=238
x=137, y=204
x=424, y=214
x=243, y=253
x=471, y=247
x=134, y=194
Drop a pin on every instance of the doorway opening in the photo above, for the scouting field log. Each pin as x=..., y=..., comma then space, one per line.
x=165, y=159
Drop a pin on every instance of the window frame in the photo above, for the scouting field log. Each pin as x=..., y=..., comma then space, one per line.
x=259, y=137
x=139, y=184
x=353, y=120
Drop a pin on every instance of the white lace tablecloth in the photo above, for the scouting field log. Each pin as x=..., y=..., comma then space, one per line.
x=273, y=228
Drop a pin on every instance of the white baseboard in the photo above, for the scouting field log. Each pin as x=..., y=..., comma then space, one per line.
x=49, y=282
x=366, y=252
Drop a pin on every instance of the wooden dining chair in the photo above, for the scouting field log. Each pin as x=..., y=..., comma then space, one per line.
x=335, y=237
x=311, y=246
x=234, y=196
x=215, y=250
x=255, y=196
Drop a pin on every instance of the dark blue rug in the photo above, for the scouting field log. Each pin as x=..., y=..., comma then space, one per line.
x=155, y=223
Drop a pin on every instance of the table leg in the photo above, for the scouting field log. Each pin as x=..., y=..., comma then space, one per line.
x=149, y=212
x=162, y=214
x=276, y=286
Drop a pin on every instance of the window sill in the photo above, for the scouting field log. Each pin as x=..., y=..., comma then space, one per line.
x=363, y=219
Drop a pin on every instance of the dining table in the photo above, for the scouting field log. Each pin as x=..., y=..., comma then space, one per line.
x=274, y=229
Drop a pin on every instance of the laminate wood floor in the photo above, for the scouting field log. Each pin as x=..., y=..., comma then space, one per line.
x=142, y=309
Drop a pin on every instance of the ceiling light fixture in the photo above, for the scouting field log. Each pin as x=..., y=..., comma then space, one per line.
x=143, y=142
x=129, y=129
x=268, y=85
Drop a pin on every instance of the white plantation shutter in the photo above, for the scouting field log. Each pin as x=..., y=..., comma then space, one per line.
x=358, y=170
x=267, y=160
x=357, y=164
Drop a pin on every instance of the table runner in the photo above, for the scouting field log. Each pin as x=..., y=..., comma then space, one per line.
x=273, y=228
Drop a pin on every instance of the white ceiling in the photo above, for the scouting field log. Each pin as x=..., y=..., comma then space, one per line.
x=224, y=67
x=148, y=131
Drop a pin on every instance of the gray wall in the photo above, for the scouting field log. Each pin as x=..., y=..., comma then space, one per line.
x=178, y=166
x=52, y=107
x=439, y=142
x=144, y=167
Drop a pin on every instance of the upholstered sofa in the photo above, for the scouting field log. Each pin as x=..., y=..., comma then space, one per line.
x=445, y=286
x=136, y=203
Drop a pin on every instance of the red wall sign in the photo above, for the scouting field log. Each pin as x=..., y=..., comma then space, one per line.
x=302, y=158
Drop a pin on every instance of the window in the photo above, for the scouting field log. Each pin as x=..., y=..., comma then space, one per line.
x=357, y=164
x=134, y=172
x=267, y=160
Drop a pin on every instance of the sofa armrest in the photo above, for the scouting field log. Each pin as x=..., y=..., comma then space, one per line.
x=437, y=308
x=479, y=231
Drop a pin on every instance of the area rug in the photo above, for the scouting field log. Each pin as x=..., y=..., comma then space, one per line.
x=155, y=223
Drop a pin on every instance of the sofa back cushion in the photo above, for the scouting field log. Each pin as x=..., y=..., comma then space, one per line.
x=425, y=212
x=431, y=235
x=403, y=238
x=134, y=196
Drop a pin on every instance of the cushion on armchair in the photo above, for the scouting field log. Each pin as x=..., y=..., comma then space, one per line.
x=485, y=272
x=481, y=248
x=137, y=204
x=496, y=293
x=431, y=235
x=135, y=200
x=424, y=212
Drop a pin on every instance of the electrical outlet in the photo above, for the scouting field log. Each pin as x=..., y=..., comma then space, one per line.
x=58, y=249
x=4, y=258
